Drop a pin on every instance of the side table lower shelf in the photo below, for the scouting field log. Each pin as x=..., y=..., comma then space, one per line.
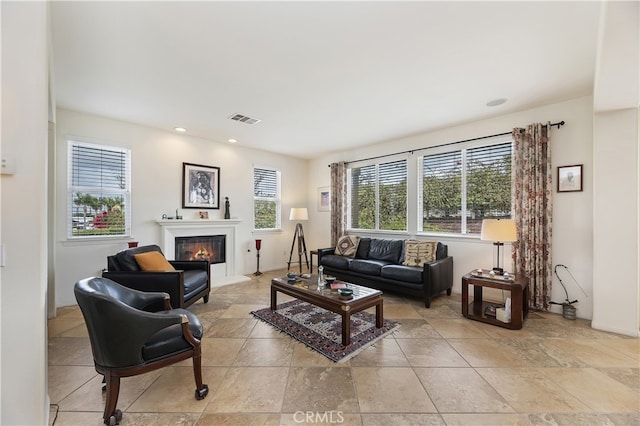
x=475, y=310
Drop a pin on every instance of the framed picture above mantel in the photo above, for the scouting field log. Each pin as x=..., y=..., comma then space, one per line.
x=200, y=186
x=570, y=178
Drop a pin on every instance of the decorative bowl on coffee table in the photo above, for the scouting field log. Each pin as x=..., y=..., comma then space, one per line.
x=345, y=293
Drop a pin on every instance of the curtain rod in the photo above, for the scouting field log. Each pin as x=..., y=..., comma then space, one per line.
x=410, y=151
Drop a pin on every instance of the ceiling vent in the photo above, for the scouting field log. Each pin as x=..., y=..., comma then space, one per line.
x=244, y=119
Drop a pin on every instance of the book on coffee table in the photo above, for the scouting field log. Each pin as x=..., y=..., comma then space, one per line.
x=338, y=285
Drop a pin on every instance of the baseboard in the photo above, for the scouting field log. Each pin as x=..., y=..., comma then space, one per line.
x=233, y=279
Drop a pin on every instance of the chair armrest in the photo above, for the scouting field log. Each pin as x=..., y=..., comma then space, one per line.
x=128, y=329
x=170, y=282
x=187, y=265
x=143, y=300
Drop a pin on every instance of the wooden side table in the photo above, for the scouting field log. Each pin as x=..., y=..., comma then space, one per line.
x=311, y=253
x=518, y=286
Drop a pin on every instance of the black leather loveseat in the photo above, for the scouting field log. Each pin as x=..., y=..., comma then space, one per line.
x=378, y=263
x=188, y=281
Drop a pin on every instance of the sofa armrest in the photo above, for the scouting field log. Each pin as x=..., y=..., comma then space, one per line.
x=323, y=252
x=171, y=282
x=438, y=275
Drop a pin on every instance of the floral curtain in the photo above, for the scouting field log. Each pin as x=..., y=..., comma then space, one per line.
x=338, y=201
x=532, y=194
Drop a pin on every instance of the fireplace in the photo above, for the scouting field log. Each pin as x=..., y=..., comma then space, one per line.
x=221, y=273
x=202, y=247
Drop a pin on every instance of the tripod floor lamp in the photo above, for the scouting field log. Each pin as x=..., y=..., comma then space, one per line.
x=299, y=213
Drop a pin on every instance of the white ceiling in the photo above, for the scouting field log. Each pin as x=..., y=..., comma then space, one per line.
x=322, y=76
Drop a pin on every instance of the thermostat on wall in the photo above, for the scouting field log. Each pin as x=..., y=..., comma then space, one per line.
x=7, y=167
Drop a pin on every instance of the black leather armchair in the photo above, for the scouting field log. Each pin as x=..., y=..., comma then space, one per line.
x=188, y=283
x=126, y=340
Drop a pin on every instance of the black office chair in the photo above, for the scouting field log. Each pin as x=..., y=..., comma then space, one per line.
x=128, y=340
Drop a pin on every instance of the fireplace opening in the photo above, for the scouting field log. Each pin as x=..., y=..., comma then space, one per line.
x=206, y=247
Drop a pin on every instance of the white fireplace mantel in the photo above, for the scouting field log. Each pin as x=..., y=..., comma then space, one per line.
x=221, y=273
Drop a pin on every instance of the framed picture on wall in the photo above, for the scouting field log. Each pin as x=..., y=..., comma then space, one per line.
x=200, y=186
x=324, y=199
x=570, y=178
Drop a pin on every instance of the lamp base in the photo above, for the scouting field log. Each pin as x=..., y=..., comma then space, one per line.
x=498, y=271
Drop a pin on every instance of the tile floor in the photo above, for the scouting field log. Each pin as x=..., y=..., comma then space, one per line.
x=437, y=369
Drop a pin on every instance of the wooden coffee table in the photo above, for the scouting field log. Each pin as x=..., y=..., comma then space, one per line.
x=307, y=290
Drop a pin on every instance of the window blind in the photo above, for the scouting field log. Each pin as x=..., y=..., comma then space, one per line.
x=98, y=190
x=266, y=195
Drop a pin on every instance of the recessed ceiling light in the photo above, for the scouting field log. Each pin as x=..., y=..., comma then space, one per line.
x=496, y=102
x=232, y=140
x=180, y=129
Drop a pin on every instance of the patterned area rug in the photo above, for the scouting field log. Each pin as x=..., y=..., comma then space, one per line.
x=321, y=330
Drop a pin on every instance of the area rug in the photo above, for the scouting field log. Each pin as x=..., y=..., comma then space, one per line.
x=321, y=330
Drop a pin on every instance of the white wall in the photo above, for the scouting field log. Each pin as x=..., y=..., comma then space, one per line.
x=616, y=213
x=23, y=332
x=157, y=158
x=572, y=214
x=616, y=163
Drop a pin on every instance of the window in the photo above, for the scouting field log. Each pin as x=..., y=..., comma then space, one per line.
x=458, y=189
x=378, y=196
x=99, y=196
x=266, y=198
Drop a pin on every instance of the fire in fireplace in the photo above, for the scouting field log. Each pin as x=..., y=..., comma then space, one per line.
x=206, y=247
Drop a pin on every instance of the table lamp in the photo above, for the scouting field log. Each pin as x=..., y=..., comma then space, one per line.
x=499, y=231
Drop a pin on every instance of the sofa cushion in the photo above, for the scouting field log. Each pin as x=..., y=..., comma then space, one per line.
x=442, y=251
x=417, y=253
x=410, y=274
x=363, y=248
x=126, y=258
x=347, y=245
x=385, y=249
x=335, y=261
x=153, y=261
x=368, y=266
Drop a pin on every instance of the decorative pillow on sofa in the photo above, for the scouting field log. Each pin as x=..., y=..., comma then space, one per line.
x=347, y=245
x=417, y=253
x=153, y=261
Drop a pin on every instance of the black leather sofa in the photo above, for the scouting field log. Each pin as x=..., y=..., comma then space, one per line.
x=188, y=283
x=378, y=264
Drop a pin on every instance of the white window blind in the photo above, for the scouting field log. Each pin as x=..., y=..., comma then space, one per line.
x=266, y=196
x=378, y=196
x=98, y=190
x=441, y=192
x=488, y=189
x=459, y=189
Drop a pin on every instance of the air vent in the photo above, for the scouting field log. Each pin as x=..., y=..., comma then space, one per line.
x=244, y=119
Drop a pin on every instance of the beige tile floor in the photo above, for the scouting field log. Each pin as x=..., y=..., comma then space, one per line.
x=437, y=369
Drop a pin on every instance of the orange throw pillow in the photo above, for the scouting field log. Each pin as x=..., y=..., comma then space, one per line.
x=153, y=261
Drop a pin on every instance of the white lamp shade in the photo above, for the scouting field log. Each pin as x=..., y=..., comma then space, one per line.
x=499, y=230
x=299, y=213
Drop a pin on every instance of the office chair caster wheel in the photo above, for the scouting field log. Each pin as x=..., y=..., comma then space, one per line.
x=202, y=393
x=114, y=419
